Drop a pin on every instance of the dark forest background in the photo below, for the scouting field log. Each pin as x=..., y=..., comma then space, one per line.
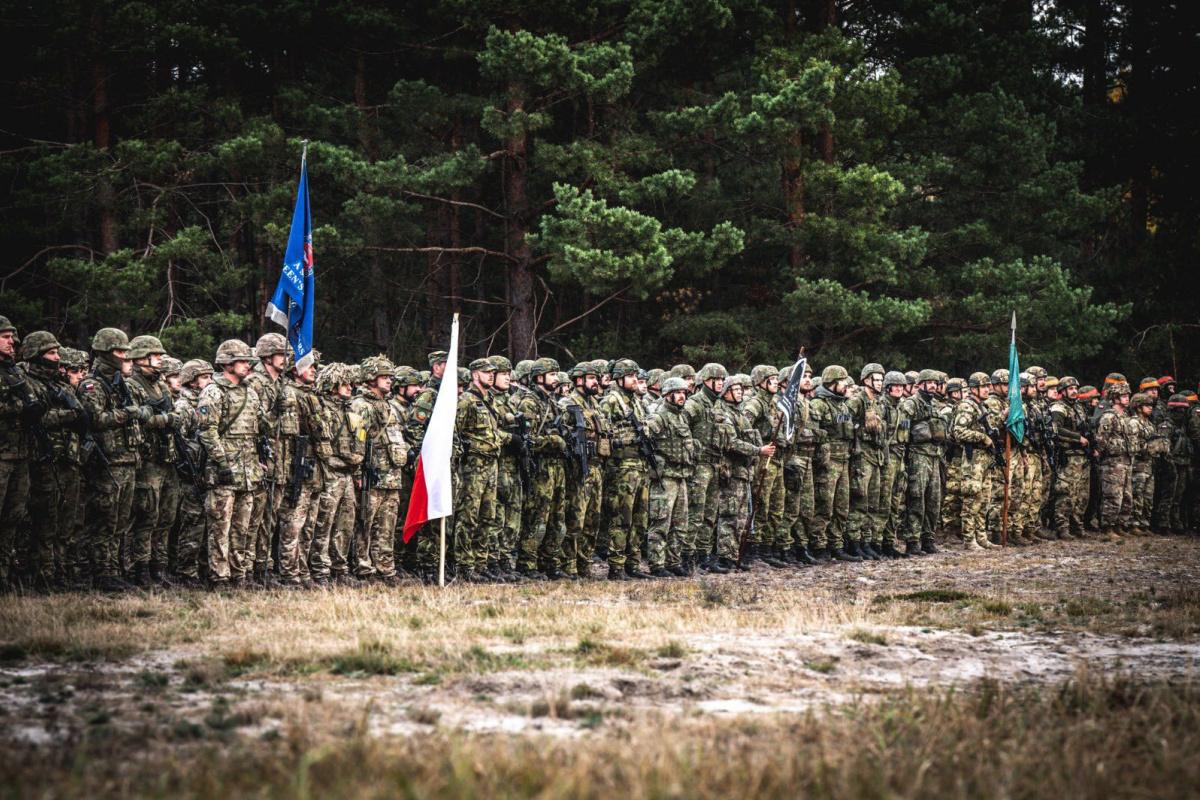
x=663, y=179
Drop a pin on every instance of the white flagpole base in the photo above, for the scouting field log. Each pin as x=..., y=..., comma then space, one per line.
x=442, y=553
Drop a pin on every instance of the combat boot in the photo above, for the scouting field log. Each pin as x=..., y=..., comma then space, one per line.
x=889, y=550
x=823, y=555
x=631, y=569
x=841, y=555
x=140, y=577
x=913, y=548
x=927, y=546
x=666, y=572
x=689, y=565
x=802, y=556
x=617, y=574
x=770, y=557
x=972, y=545
x=723, y=566
x=869, y=552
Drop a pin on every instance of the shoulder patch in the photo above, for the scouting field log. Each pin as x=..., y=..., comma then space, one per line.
x=202, y=410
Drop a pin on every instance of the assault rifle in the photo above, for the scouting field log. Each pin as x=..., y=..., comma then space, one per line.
x=523, y=444
x=32, y=412
x=997, y=437
x=645, y=446
x=301, y=468
x=578, y=447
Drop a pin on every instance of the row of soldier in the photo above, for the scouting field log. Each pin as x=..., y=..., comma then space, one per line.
x=137, y=470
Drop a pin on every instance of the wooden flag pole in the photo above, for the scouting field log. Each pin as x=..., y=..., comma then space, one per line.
x=1007, y=483
x=442, y=551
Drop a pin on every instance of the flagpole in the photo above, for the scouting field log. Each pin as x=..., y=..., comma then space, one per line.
x=442, y=553
x=1007, y=483
x=303, y=152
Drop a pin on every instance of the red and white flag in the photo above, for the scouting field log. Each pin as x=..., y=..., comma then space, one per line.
x=432, y=491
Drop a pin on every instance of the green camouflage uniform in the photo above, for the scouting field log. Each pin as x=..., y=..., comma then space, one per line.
x=229, y=416
x=158, y=491
x=541, y=538
x=868, y=461
x=51, y=492
x=800, y=503
x=510, y=490
x=741, y=453
x=14, y=461
x=110, y=492
x=832, y=415
x=584, y=491
x=704, y=489
x=475, y=507
x=766, y=417
x=995, y=408
x=626, y=479
x=926, y=436
x=894, y=484
x=1069, y=493
x=329, y=555
x=192, y=521
x=1148, y=445
x=303, y=427
x=1170, y=514
x=675, y=451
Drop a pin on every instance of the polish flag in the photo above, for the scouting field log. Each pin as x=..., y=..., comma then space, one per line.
x=432, y=492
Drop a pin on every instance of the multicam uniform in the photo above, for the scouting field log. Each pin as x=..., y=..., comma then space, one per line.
x=1148, y=445
x=268, y=497
x=229, y=416
x=158, y=491
x=307, y=447
x=974, y=457
x=1115, y=441
x=330, y=555
x=376, y=536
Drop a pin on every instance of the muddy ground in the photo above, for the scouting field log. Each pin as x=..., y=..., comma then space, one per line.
x=590, y=659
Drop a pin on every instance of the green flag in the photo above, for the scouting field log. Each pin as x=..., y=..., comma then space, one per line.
x=1016, y=410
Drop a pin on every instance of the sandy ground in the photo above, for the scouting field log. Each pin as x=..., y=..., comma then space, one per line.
x=1034, y=615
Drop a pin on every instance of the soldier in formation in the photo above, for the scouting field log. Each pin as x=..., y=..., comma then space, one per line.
x=130, y=469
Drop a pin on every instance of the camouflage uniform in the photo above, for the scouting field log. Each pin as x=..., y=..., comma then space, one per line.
x=1148, y=445
x=926, y=437
x=192, y=521
x=329, y=555
x=229, y=415
x=157, y=491
x=704, y=488
x=676, y=454
x=800, y=505
x=76, y=555
x=510, y=487
x=268, y=497
x=16, y=408
x=308, y=448
x=376, y=536
x=770, y=495
x=1169, y=515
x=1073, y=482
x=542, y=535
x=868, y=461
x=741, y=452
x=44, y=555
x=115, y=420
x=894, y=486
x=475, y=509
x=584, y=491
x=975, y=474
x=1114, y=441
x=832, y=414
x=626, y=478
x=995, y=407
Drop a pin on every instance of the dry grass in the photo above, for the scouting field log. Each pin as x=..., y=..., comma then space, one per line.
x=1085, y=738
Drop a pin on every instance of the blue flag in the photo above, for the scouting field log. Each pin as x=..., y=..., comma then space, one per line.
x=1016, y=410
x=292, y=304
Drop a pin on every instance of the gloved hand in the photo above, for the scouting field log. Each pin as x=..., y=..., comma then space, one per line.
x=143, y=414
x=33, y=410
x=224, y=476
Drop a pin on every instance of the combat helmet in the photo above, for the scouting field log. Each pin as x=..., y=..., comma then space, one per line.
x=6, y=326
x=871, y=369
x=373, y=367
x=70, y=358
x=143, y=346
x=193, y=369
x=270, y=344
x=763, y=372
x=978, y=379
x=171, y=366
x=1067, y=381
x=833, y=373
x=674, y=385
x=684, y=371
x=1140, y=399
x=521, y=370
x=956, y=385
x=37, y=344
x=1000, y=376
x=927, y=375
x=500, y=363
x=232, y=350
x=107, y=340
x=709, y=372
x=655, y=377
x=894, y=378
x=622, y=367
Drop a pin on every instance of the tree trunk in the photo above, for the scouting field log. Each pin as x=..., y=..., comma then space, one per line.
x=1138, y=88
x=521, y=300
x=793, y=195
x=822, y=16
x=102, y=137
x=381, y=324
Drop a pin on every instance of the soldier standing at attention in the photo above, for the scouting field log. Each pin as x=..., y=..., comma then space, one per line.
x=384, y=468
x=267, y=379
x=341, y=467
x=585, y=488
x=481, y=439
x=831, y=414
x=676, y=453
x=156, y=494
x=542, y=532
x=704, y=488
x=229, y=415
x=926, y=437
x=868, y=459
x=303, y=422
x=974, y=454
x=116, y=419
x=193, y=377
x=770, y=538
x=1115, y=445
x=626, y=480
x=742, y=447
